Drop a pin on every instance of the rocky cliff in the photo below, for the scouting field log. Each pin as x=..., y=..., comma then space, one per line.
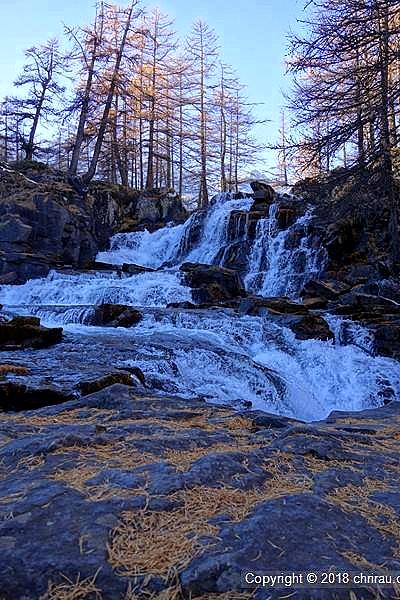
x=48, y=220
x=351, y=213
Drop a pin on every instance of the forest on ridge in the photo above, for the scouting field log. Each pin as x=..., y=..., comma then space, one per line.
x=125, y=99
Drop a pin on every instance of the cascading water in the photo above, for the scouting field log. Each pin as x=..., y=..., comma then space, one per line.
x=281, y=262
x=218, y=355
x=169, y=245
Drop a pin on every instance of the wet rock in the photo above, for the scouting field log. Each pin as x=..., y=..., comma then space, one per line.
x=328, y=289
x=116, y=315
x=235, y=256
x=314, y=302
x=9, y=278
x=193, y=233
x=254, y=216
x=95, y=385
x=132, y=269
x=182, y=305
x=211, y=294
x=237, y=225
x=387, y=338
x=281, y=306
x=137, y=373
x=213, y=282
x=312, y=327
x=101, y=266
x=17, y=397
x=26, y=332
x=286, y=216
x=362, y=302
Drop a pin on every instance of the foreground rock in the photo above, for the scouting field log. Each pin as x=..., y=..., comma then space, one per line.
x=120, y=495
x=18, y=397
x=27, y=332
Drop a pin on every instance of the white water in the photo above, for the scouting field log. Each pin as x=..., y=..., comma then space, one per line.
x=165, y=245
x=60, y=289
x=275, y=267
x=226, y=359
x=217, y=354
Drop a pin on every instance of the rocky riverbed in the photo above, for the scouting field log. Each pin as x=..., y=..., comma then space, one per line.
x=124, y=494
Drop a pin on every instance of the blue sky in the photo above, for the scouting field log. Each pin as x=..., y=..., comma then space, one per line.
x=252, y=34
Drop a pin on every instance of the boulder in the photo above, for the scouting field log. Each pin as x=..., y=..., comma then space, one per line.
x=220, y=282
x=26, y=332
x=387, y=338
x=148, y=209
x=95, y=385
x=17, y=397
x=116, y=315
x=329, y=289
x=133, y=269
x=263, y=195
x=312, y=327
x=211, y=294
x=259, y=187
x=172, y=209
x=160, y=207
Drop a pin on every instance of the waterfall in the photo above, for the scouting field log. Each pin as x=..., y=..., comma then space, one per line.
x=216, y=354
x=198, y=240
x=282, y=261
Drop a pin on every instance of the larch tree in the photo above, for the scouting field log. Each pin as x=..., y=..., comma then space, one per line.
x=161, y=43
x=40, y=75
x=87, y=49
x=201, y=48
x=344, y=68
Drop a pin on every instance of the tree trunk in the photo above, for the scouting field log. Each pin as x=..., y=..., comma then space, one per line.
x=80, y=132
x=383, y=20
x=104, y=120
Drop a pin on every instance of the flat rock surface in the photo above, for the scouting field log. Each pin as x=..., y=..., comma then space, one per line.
x=122, y=495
